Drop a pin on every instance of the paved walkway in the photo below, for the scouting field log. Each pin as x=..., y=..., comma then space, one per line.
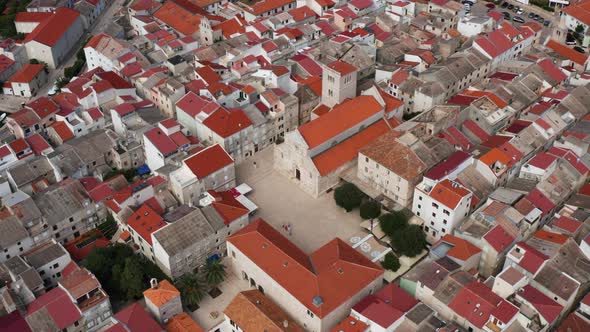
x=210, y=312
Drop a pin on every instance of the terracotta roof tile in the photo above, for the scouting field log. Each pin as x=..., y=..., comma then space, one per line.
x=329, y=277
x=162, y=294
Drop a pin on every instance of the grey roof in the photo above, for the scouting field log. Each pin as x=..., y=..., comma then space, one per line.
x=11, y=232
x=452, y=285
x=44, y=254
x=419, y=313
x=41, y=320
x=60, y=202
x=184, y=233
x=16, y=265
x=30, y=171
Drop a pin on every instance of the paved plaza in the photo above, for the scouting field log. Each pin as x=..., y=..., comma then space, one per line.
x=314, y=222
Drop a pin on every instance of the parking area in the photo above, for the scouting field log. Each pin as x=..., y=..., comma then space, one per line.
x=313, y=221
x=510, y=9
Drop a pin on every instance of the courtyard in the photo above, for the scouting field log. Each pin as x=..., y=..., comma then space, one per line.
x=314, y=222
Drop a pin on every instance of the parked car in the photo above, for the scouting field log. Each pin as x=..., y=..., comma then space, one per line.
x=504, y=5
x=518, y=19
x=579, y=49
x=541, y=20
x=537, y=17
x=506, y=15
x=520, y=11
x=570, y=42
x=532, y=15
x=490, y=5
x=510, y=7
x=547, y=23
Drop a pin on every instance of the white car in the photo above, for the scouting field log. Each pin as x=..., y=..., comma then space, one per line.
x=520, y=12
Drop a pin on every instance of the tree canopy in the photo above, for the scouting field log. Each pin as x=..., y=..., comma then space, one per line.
x=348, y=196
x=123, y=274
x=215, y=272
x=410, y=241
x=192, y=289
x=391, y=262
x=370, y=209
x=393, y=222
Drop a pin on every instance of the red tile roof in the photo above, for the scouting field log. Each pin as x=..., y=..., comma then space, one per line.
x=347, y=150
x=579, y=10
x=228, y=206
x=476, y=302
x=498, y=238
x=145, y=221
x=226, y=123
x=59, y=306
x=27, y=73
x=539, y=200
x=31, y=17
x=135, y=318
x=308, y=64
x=264, y=6
x=449, y=193
x=542, y=160
x=350, y=324
x=342, y=117
x=567, y=52
x=461, y=250
x=161, y=141
x=476, y=130
x=532, y=260
x=179, y=18
x=567, y=224
x=447, y=166
x=549, y=236
x=208, y=161
x=344, y=68
x=37, y=143
x=62, y=130
x=328, y=277
x=552, y=70
x=543, y=304
x=115, y=80
x=53, y=28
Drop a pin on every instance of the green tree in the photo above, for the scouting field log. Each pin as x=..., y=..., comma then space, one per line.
x=132, y=278
x=410, y=241
x=192, y=289
x=348, y=196
x=579, y=28
x=215, y=272
x=393, y=222
x=370, y=209
x=391, y=262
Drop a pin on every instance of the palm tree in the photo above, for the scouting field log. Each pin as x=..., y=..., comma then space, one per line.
x=215, y=272
x=192, y=289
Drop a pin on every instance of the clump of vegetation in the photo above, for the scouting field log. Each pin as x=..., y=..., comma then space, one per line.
x=348, y=196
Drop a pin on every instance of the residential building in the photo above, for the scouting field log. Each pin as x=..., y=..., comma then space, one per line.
x=196, y=235
x=442, y=207
x=211, y=168
x=162, y=300
x=27, y=81
x=78, y=304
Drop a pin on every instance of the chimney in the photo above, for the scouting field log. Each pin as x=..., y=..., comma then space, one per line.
x=285, y=323
x=154, y=283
